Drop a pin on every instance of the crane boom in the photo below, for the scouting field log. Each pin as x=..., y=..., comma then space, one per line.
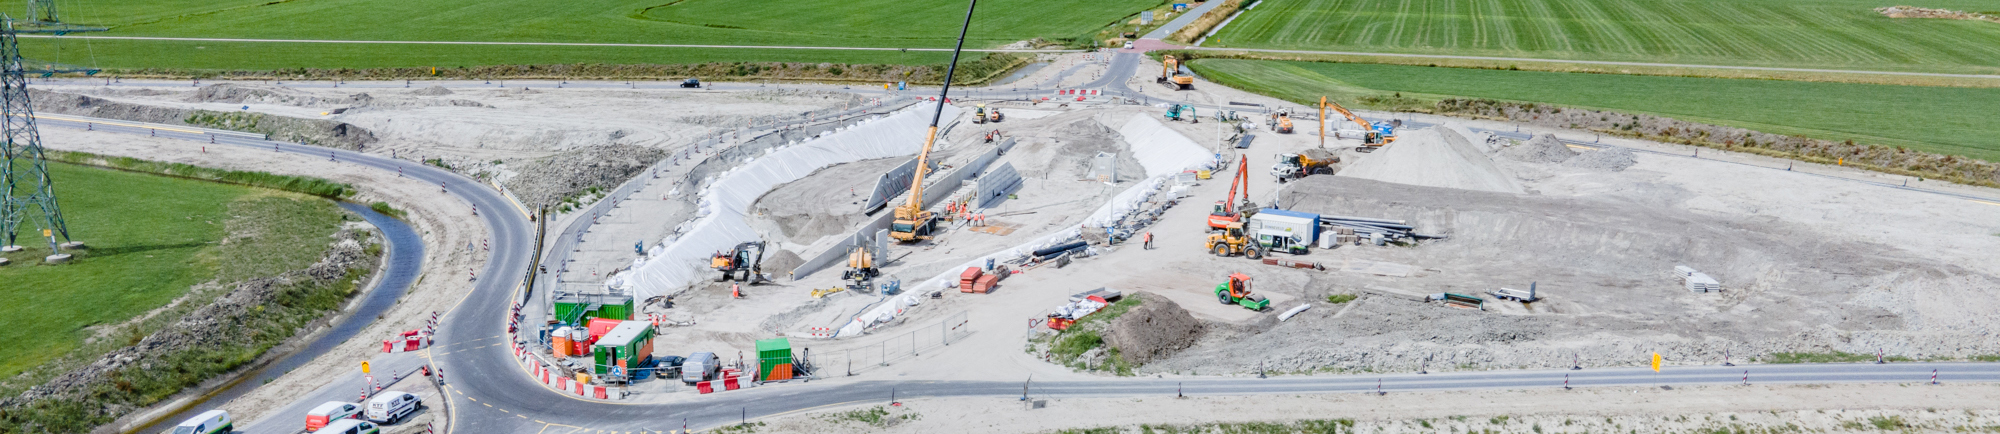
x=912, y=221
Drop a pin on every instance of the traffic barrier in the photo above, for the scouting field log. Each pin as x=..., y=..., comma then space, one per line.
x=599, y=391
x=705, y=387
x=580, y=389
x=730, y=383
x=822, y=333
x=562, y=383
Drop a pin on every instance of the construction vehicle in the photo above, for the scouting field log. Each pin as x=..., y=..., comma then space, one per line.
x=993, y=114
x=1182, y=112
x=1373, y=135
x=1237, y=291
x=979, y=114
x=1283, y=122
x=739, y=264
x=1305, y=163
x=861, y=271
x=1527, y=296
x=1227, y=211
x=1170, y=74
x=912, y=221
x=1230, y=241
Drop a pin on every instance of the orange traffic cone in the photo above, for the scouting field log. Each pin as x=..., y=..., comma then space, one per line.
x=735, y=291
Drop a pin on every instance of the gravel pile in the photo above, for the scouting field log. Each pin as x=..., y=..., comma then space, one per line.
x=1433, y=157
x=1543, y=149
x=1613, y=159
x=432, y=91
x=1156, y=329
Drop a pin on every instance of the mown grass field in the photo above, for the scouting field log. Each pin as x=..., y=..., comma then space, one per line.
x=151, y=238
x=1954, y=121
x=1845, y=34
x=858, y=23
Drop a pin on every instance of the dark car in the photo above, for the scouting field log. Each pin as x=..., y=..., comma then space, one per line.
x=670, y=366
x=694, y=83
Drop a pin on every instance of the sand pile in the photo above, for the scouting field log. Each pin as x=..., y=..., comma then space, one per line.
x=1543, y=149
x=1613, y=159
x=1433, y=157
x=432, y=91
x=1156, y=329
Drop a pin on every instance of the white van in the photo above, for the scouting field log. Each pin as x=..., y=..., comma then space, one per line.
x=350, y=426
x=208, y=422
x=699, y=367
x=329, y=412
x=390, y=407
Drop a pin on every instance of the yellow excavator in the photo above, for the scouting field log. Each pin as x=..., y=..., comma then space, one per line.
x=1170, y=74
x=1372, y=135
x=913, y=222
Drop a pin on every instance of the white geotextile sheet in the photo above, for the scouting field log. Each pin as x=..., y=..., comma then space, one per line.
x=720, y=224
x=1170, y=154
x=1162, y=150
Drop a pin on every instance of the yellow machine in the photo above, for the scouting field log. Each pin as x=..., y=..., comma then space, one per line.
x=1372, y=135
x=1231, y=242
x=913, y=222
x=861, y=271
x=1284, y=123
x=979, y=114
x=1170, y=74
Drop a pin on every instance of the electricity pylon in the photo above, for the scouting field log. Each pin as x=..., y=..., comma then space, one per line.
x=29, y=191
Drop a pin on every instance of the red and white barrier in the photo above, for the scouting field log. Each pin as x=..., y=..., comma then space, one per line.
x=409, y=341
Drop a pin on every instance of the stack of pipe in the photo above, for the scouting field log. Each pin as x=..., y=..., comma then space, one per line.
x=1382, y=230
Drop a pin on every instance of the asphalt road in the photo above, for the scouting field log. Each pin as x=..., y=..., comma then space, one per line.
x=491, y=393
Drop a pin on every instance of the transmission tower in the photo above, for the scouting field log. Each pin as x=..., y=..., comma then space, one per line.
x=30, y=193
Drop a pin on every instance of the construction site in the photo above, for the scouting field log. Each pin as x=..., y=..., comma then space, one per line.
x=824, y=230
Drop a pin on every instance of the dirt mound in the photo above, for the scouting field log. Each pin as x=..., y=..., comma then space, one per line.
x=778, y=262
x=553, y=180
x=1947, y=14
x=317, y=132
x=1613, y=159
x=1156, y=329
x=1543, y=149
x=1433, y=157
x=432, y=91
x=1058, y=148
x=827, y=202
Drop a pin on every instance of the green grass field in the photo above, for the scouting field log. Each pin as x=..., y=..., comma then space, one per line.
x=1956, y=121
x=151, y=238
x=1845, y=34
x=857, y=23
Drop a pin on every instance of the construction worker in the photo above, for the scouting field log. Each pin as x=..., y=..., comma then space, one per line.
x=1149, y=240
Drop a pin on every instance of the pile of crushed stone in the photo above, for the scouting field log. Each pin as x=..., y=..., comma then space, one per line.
x=1613, y=159
x=1542, y=149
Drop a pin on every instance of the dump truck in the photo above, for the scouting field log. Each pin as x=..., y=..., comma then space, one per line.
x=1170, y=74
x=1305, y=163
x=740, y=264
x=1237, y=291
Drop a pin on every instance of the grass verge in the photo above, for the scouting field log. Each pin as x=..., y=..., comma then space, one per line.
x=296, y=184
x=1069, y=346
x=1341, y=298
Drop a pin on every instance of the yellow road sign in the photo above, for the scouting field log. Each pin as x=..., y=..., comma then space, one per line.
x=364, y=367
x=1656, y=362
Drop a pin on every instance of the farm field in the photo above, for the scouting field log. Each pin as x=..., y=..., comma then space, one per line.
x=1945, y=120
x=151, y=238
x=863, y=23
x=1837, y=34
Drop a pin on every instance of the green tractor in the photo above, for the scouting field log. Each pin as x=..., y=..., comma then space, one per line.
x=1237, y=292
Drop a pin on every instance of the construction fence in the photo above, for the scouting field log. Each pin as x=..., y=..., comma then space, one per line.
x=890, y=349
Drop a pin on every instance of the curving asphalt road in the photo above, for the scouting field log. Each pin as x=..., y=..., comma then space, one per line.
x=491, y=393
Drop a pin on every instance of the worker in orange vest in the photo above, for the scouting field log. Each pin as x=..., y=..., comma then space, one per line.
x=1149, y=240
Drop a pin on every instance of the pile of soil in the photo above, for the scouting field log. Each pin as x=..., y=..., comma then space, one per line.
x=1433, y=157
x=1543, y=149
x=1613, y=159
x=432, y=91
x=551, y=180
x=317, y=132
x=1947, y=14
x=1156, y=329
x=1064, y=149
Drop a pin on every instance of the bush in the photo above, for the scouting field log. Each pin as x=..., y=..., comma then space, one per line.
x=1341, y=298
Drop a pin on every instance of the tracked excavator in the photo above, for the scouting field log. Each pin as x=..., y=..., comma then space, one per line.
x=745, y=263
x=1372, y=136
x=1170, y=74
x=912, y=221
x=1228, y=212
x=861, y=271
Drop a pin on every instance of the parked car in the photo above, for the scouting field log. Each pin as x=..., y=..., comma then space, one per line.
x=699, y=367
x=351, y=426
x=693, y=83
x=390, y=407
x=208, y=422
x=670, y=366
x=330, y=412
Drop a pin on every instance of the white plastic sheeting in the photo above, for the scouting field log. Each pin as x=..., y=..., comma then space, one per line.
x=677, y=262
x=1168, y=148
x=1162, y=150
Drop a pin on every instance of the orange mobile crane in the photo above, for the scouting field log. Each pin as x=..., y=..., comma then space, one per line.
x=913, y=222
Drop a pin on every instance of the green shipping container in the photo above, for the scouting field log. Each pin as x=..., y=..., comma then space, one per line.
x=771, y=353
x=580, y=308
x=628, y=345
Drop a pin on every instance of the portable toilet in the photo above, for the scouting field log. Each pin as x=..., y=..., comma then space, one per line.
x=559, y=342
x=626, y=346
x=774, y=359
